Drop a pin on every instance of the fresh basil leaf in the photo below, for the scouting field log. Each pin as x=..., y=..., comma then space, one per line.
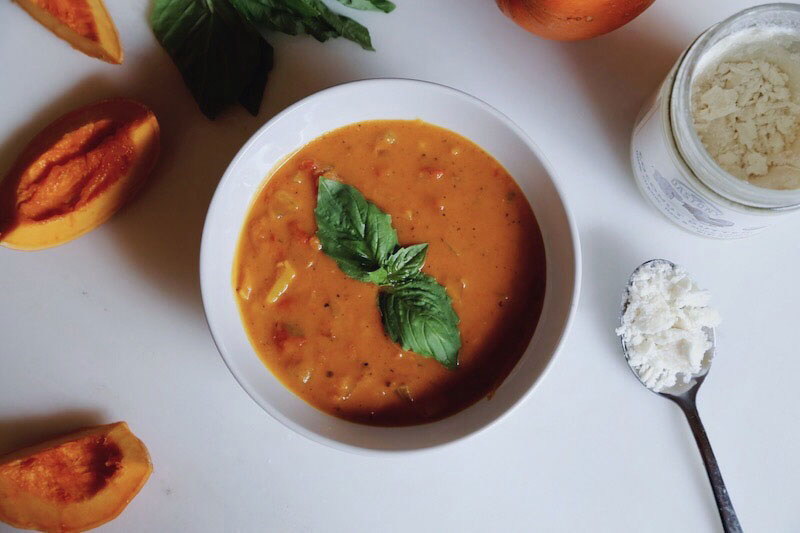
x=370, y=5
x=379, y=277
x=354, y=232
x=405, y=263
x=417, y=312
x=253, y=92
x=268, y=15
x=221, y=58
x=220, y=46
x=419, y=316
x=302, y=16
x=347, y=27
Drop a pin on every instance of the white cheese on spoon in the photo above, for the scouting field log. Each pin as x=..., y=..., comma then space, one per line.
x=664, y=323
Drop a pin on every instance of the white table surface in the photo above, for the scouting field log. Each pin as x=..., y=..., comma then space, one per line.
x=110, y=327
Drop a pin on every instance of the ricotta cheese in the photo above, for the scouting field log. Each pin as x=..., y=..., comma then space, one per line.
x=663, y=326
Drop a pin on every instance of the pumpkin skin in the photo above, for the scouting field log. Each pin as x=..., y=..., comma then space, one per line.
x=73, y=483
x=572, y=20
x=84, y=24
x=76, y=173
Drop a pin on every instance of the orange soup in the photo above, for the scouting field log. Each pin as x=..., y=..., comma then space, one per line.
x=321, y=332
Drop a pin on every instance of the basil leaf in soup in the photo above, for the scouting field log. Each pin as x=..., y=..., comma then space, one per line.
x=379, y=277
x=416, y=311
x=370, y=5
x=222, y=59
x=419, y=316
x=354, y=232
x=405, y=263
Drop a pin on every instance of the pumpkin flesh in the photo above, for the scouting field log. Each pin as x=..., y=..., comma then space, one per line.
x=77, y=173
x=73, y=483
x=84, y=24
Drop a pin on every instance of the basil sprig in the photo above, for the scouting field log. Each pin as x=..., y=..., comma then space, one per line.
x=370, y=5
x=416, y=310
x=221, y=48
x=222, y=59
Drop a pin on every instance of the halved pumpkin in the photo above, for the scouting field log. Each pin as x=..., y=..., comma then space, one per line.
x=77, y=173
x=85, y=24
x=75, y=482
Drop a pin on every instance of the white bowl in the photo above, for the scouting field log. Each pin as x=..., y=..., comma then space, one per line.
x=385, y=99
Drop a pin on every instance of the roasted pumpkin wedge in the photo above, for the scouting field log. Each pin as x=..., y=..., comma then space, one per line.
x=75, y=482
x=85, y=24
x=77, y=173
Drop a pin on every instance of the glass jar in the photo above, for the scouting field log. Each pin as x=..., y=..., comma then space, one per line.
x=671, y=165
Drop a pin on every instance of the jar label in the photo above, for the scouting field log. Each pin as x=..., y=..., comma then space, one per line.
x=662, y=181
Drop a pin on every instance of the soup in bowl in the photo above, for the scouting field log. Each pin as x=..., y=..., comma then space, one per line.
x=391, y=275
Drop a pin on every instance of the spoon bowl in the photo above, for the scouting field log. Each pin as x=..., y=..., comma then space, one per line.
x=681, y=387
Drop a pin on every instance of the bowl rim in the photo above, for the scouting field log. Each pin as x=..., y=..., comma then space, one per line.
x=562, y=335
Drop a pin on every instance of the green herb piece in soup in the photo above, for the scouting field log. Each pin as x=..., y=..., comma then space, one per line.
x=354, y=232
x=419, y=316
x=416, y=311
x=222, y=59
x=370, y=5
x=405, y=263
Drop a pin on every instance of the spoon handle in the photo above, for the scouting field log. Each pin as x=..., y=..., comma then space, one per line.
x=730, y=523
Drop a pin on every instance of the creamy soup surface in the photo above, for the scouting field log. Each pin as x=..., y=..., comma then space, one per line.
x=320, y=332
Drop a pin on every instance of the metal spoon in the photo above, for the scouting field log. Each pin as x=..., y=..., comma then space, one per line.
x=685, y=395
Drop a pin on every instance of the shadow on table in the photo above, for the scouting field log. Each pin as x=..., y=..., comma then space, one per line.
x=161, y=231
x=612, y=261
x=20, y=432
x=620, y=71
